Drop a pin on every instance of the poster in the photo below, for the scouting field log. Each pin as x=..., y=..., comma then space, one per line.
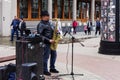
x=108, y=20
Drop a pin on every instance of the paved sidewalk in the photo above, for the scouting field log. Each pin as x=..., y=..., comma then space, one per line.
x=87, y=61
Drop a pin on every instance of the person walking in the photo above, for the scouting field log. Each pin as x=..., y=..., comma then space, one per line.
x=22, y=27
x=75, y=24
x=14, y=28
x=89, y=25
x=98, y=26
x=46, y=30
x=85, y=29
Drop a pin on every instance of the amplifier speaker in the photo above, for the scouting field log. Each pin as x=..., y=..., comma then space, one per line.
x=28, y=52
x=29, y=71
x=3, y=74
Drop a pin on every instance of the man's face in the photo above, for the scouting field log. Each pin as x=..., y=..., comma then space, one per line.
x=46, y=18
x=15, y=17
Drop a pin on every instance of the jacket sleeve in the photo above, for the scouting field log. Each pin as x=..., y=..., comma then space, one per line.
x=11, y=23
x=40, y=29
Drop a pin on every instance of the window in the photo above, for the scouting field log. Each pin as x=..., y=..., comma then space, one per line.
x=44, y=5
x=71, y=8
x=66, y=8
x=23, y=8
x=35, y=8
x=84, y=7
x=53, y=9
x=97, y=10
x=60, y=10
x=78, y=9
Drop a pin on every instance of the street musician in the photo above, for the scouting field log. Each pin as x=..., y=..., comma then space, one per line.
x=47, y=30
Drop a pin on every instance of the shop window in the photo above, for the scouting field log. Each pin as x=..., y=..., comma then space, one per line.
x=23, y=8
x=60, y=11
x=35, y=8
x=44, y=5
x=66, y=8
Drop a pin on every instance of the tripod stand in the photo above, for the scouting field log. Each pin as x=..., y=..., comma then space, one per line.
x=72, y=58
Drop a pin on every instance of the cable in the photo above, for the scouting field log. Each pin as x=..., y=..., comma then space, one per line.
x=67, y=57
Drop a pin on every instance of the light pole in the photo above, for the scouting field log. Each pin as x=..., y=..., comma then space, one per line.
x=110, y=40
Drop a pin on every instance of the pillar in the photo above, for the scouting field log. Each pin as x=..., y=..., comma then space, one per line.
x=92, y=10
x=9, y=10
x=74, y=9
x=0, y=17
x=50, y=8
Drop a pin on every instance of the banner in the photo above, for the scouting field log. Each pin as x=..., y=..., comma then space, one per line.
x=108, y=10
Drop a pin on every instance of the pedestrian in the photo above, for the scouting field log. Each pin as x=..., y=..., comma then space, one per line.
x=14, y=28
x=85, y=29
x=98, y=26
x=22, y=27
x=45, y=29
x=75, y=24
x=89, y=26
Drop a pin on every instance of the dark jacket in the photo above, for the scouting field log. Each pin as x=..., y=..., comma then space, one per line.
x=23, y=26
x=15, y=23
x=45, y=29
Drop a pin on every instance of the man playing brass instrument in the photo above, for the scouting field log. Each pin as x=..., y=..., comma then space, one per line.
x=46, y=30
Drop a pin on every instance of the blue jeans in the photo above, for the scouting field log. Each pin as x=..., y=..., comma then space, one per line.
x=47, y=53
x=13, y=32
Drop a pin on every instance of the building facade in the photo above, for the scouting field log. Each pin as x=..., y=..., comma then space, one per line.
x=30, y=10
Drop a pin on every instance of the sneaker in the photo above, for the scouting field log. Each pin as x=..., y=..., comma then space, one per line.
x=54, y=71
x=47, y=73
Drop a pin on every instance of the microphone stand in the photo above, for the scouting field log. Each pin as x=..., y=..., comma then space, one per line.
x=72, y=58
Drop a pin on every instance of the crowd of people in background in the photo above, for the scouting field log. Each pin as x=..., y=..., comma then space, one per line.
x=19, y=25
x=88, y=26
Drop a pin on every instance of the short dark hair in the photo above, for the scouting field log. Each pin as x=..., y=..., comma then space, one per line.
x=44, y=13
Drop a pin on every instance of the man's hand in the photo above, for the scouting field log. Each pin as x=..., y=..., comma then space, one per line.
x=51, y=41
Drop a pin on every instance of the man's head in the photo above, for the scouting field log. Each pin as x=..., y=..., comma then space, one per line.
x=15, y=17
x=45, y=15
x=98, y=19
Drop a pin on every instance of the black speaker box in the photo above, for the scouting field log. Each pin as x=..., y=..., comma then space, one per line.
x=29, y=52
x=29, y=71
x=3, y=73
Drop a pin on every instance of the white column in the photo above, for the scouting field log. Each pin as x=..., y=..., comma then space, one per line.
x=0, y=17
x=50, y=8
x=74, y=9
x=9, y=10
x=92, y=11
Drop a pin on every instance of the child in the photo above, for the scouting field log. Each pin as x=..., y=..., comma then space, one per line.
x=85, y=29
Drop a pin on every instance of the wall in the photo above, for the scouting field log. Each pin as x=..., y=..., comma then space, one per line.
x=0, y=17
x=9, y=10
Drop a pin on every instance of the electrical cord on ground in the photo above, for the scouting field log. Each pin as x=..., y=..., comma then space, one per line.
x=67, y=57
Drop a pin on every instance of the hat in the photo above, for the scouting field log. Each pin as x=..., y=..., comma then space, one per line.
x=44, y=13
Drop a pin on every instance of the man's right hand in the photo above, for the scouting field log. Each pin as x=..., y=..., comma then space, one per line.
x=51, y=41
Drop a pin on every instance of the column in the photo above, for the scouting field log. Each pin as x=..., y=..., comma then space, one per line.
x=0, y=17
x=9, y=10
x=92, y=11
x=50, y=8
x=74, y=9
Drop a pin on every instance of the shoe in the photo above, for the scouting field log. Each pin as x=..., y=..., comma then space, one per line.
x=47, y=73
x=54, y=71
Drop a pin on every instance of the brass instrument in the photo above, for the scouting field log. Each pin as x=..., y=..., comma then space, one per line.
x=56, y=37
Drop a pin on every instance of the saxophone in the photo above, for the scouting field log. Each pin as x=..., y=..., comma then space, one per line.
x=56, y=37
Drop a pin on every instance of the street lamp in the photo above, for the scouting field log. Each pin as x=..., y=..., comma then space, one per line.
x=110, y=40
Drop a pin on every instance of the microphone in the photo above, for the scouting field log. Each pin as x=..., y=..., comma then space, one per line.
x=65, y=33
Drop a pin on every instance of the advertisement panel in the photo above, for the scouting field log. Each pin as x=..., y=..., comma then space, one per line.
x=108, y=10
